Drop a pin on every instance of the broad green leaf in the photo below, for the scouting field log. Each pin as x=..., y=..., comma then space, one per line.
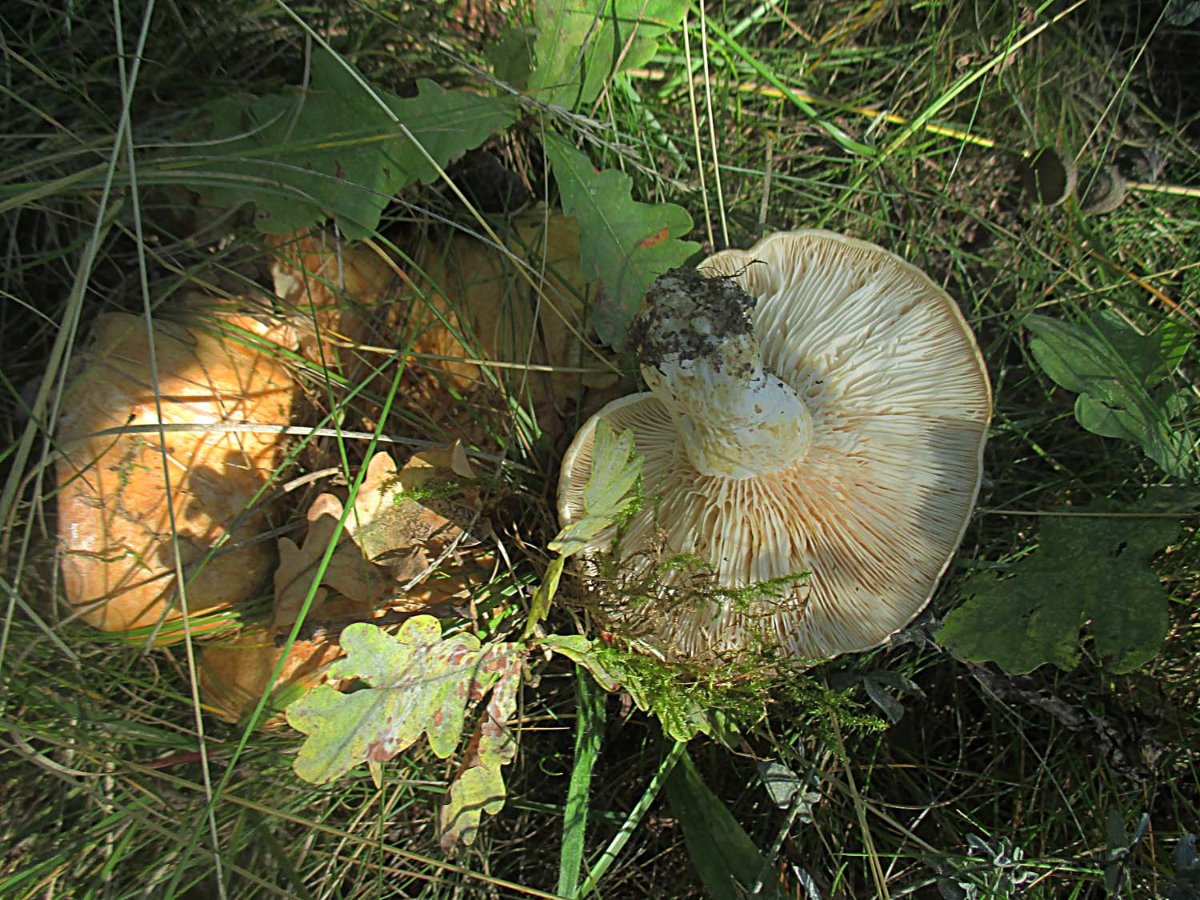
x=609, y=491
x=1120, y=377
x=1088, y=570
x=417, y=683
x=726, y=858
x=336, y=149
x=479, y=785
x=511, y=56
x=581, y=44
x=624, y=244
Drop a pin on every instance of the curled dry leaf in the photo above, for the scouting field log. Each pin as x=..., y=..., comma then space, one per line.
x=521, y=306
x=116, y=489
x=235, y=672
x=407, y=543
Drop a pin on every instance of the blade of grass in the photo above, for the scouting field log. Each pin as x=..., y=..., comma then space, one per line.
x=617, y=844
x=589, y=729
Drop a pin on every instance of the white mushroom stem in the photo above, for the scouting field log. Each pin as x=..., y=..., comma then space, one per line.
x=698, y=353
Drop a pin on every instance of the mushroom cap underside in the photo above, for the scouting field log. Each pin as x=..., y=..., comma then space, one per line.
x=872, y=515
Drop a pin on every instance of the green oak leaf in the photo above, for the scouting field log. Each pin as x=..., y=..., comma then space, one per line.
x=417, y=683
x=624, y=244
x=609, y=492
x=1088, y=570
x=1121, y=378
x=581, y=44
x=338, y=148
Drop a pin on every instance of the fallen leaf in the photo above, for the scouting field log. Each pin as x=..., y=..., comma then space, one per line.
x=417, y=684
x=335, y=292
x=479, y=785
x=1087, y=570
x=406, y=544
x=348, y=572
x=115, y=529
x=418, y=523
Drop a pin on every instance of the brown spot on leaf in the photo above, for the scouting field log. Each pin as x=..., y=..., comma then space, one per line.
x=653, y=240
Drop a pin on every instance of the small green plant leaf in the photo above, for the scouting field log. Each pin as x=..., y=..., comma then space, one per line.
x=414, y=683
x=336, y=149
x=609, y=492
x=726, y=858
x=581, y=44
x=624, y=244
x=543, y=595
x=1088, y=570
x=1120, y=377
x=653, y=687
x=479, y=786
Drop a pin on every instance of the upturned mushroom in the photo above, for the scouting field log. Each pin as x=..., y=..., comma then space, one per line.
x=816, y=416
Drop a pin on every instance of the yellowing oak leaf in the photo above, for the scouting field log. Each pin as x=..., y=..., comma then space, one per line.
x=416, y=684
x=479, y=786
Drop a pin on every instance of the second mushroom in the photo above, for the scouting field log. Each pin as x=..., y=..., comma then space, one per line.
x=816, y=416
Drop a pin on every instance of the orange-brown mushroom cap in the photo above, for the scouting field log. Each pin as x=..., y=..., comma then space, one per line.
x=871, y=496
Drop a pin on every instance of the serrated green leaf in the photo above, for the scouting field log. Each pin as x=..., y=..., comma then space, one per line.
x=624, y=244
x=581, y=44
x=417, y=683
x=726, y=858
x=616, y=468
x=335, y=149
x=1118, y=374
x=1087, y=570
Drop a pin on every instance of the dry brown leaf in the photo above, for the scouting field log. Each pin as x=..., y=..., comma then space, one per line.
x=406, y=544
x=418, y=523
x=234, y=673
x=118, y=557
x=359, y=584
